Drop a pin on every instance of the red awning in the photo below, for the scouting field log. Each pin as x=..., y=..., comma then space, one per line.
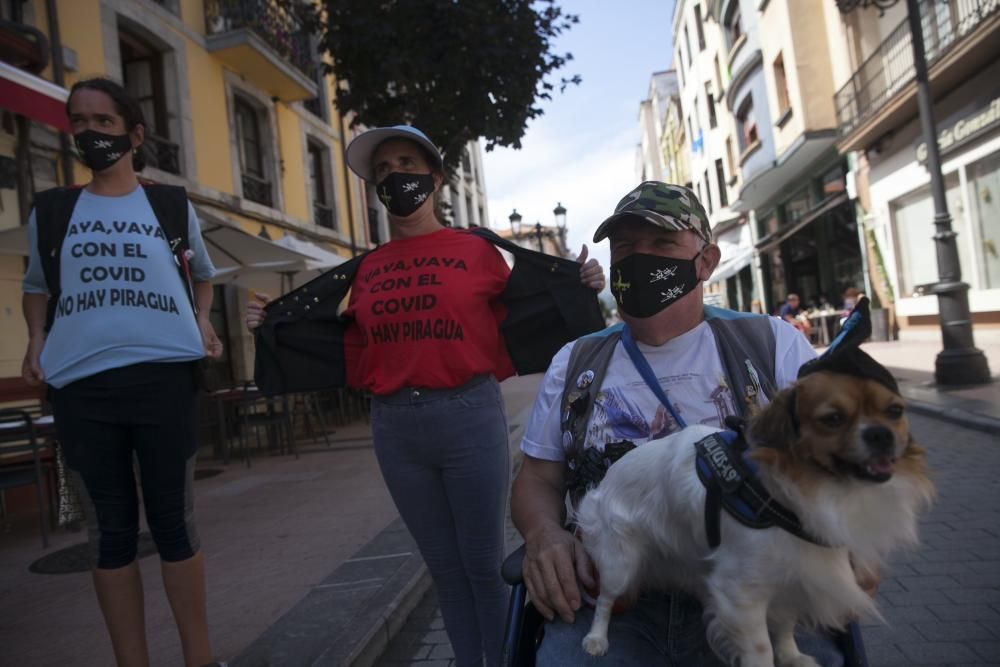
x=33, y=97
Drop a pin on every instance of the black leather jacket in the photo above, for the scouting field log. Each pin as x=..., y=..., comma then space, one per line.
x=300, y=344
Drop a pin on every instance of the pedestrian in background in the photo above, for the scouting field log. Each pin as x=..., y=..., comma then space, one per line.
x=117, y=312
x=791, y=312
x=425, y=341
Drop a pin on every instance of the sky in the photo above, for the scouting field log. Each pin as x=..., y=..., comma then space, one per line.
x=581, y=152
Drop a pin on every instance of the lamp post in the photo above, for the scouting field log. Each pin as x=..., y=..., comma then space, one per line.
x=515, y=223
x=960, y=362
x=559, y=213
x=538, y=235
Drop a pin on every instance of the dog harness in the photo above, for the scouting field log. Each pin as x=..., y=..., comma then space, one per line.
x=731, y=482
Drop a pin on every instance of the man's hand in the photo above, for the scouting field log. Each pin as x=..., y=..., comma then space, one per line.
x=31, y=367
x=591, y=273
x=553, y=560
x=213, y=346
x=868, y=578
x=255, y=310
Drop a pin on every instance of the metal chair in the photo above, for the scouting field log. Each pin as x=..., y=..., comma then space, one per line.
x=17, y=443
x=526, y=627
x=255, y=412
x=307, y=406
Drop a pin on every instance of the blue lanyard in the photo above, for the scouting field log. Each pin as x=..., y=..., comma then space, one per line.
x=641, y=365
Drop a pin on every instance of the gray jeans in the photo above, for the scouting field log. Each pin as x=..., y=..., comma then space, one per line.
x=445, y=457
x=658, y=630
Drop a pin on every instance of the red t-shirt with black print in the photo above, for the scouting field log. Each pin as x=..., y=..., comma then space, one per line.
x=426, y=313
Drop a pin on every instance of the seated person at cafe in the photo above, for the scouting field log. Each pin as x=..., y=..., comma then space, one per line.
x=791, y=311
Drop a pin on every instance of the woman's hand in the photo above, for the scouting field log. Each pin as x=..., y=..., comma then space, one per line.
x=213, y=346
x=591, y=273
x=255, y=310
x=31, y=367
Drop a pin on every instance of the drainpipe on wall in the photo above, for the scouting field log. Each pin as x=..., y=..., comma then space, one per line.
x=347, y=184
x=59, y=78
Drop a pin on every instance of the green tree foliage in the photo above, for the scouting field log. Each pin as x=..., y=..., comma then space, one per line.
x=456, y=69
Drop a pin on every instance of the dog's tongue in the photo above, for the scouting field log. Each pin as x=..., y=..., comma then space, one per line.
x=882, y=466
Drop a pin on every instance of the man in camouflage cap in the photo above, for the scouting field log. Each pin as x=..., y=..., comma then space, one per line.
x=594, y=397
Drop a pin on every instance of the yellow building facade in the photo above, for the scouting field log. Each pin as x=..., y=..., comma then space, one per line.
x=237, y=111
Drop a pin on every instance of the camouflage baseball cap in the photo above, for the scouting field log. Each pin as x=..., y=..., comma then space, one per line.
x=671, y=207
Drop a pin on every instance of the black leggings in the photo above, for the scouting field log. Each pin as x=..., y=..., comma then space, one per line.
x=149, y=410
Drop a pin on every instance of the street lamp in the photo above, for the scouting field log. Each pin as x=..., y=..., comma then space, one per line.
x=960, y=362
x=515, y=223
x=538, y=235
x=559, y=212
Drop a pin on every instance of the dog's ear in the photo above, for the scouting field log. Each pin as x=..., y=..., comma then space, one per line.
x=777, y=425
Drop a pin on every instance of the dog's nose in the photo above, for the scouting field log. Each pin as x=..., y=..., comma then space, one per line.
x=879, y=439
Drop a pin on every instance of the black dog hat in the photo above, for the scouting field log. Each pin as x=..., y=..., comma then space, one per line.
x=845, y=356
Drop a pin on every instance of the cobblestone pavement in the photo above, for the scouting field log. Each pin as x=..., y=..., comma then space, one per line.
x=941, y=603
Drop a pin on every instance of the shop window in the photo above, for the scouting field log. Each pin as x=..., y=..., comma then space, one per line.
x=833, y=182
x=319, y=181
x=249, y=139
x=732, y=24
x=781, y=87
x=687, y=44
x=984, y=181
x=710, y=101
x=720, y=179
x=699, y=27
x=730, y=155
x=467, y=164
x=746, y=125
x=708, y=192
x=913, y=224
x=142, y=76
x=797, y=207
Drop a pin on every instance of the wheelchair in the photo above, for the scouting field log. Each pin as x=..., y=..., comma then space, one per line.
x=526, y=627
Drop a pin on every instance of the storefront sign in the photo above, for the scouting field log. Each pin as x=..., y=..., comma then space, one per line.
x=965, y=129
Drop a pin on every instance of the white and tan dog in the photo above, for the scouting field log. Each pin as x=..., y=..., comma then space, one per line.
x=836, y=450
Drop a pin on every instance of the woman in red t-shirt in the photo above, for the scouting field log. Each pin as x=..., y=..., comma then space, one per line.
x=425, y=341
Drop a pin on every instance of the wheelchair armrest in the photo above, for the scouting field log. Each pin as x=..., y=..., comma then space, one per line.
x=511, y=568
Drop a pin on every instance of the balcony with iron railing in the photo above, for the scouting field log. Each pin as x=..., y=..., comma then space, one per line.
x=264, y=41
x=257, y=190
x=161, y=153
x=959, y=36
x=323, y=215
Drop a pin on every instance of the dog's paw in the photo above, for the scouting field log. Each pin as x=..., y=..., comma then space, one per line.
x=801, y=660
x=596, y=645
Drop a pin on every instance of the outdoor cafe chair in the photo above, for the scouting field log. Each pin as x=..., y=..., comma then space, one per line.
x=21, y=461
x=254, y=412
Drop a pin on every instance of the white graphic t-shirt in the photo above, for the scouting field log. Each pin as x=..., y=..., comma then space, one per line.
x=690, y=372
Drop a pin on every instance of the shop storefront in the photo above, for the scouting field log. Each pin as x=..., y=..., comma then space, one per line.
x=969, y=139
x=808, y=242
x=731, y=284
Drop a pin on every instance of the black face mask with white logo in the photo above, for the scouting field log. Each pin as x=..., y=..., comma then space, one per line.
x=643, y=285
x=100, y=151
x=403, y=194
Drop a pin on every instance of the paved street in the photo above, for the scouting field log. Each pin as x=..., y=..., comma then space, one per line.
x=308, y=563
x=941, y=603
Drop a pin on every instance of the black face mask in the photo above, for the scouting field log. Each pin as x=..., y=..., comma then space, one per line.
x=403, y=194
x=99, y=151
x=643, y=285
